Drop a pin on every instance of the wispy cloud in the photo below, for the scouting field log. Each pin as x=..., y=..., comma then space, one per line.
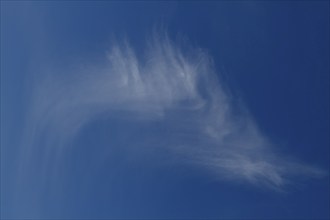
x=175, y=86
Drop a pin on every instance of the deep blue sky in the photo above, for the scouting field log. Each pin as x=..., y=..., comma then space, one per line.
x=273, y=55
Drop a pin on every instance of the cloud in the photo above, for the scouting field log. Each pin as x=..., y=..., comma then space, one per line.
x=167, y=83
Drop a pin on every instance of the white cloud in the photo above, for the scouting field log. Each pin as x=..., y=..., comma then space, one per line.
x=167, y=84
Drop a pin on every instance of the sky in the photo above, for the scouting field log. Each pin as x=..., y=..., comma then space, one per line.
x=195, y=110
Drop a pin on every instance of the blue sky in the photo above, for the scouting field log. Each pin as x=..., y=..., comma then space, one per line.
x=165, y=109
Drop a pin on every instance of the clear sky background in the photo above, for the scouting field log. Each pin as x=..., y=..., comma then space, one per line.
x=165, y=109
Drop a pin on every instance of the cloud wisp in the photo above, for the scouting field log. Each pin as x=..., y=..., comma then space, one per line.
x=168, y=84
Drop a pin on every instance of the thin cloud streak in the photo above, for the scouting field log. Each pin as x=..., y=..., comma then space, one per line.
x=168, y=84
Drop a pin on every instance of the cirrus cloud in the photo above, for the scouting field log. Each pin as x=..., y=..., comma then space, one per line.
x=168, y=84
